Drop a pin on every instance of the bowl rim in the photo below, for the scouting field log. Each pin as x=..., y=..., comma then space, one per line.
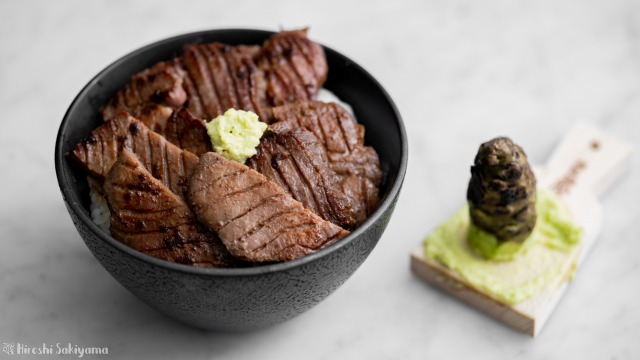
x=75, y=205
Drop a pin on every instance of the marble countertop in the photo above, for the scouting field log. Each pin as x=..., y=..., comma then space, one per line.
x=461, y=72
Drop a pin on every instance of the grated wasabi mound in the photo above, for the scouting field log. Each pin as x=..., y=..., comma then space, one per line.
x=236, y=134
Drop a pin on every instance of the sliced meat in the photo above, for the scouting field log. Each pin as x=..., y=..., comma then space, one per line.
x=255, y=218
x=148, y=217
x=357, y=166
x=211, y=78
x=188, y=132
x=220, y=77
x=160, y=84
x=363, y=192
x=154, y=116
x=295, y=67
x=297, y=162
x=166, y=162
x=331, y=123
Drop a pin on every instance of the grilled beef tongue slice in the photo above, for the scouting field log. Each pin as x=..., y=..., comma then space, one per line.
x=165, y=161
x=211, y=78
x=148, y=217
x=160, y=84
x=154, y=116
x=297, y=162
x=356, y=165
x=502, y=191
x=188, y=132
x=255, y=218
x=220, y=77
x=295, y=67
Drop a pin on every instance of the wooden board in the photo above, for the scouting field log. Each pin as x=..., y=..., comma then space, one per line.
x=529, y=316
x=600, y=159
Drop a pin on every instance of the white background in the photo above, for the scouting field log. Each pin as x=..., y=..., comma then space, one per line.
x=461, y=72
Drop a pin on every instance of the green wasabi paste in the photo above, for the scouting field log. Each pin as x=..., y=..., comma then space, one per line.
x=512, y=272
x=236, y=134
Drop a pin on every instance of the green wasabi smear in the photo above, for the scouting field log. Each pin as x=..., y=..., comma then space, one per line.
x=236, y=134
x=516, y=272
x=490, y=248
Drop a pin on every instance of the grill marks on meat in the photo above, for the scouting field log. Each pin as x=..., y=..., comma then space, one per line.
x=287, y=68
x=332, y=124
x=211, y=78
x=254, y=217
x=166, y=162
x=99, y=151
x=295, y=67
x=188, y=132
x=160, y=84
x=357, y=166
x=150, y=218
x=221, y=77
x=319, y=175
x=297, y=162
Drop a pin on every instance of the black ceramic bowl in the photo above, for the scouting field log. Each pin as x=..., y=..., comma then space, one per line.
x=234, y=299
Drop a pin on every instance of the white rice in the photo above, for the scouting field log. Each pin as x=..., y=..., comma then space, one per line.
x=100, y=210
x=326, y=96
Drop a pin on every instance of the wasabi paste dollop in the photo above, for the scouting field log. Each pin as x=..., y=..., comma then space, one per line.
x=236, y=134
